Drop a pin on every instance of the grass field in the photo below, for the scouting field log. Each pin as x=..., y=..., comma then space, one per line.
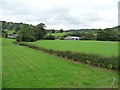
x=107, y=48
x=27, y=68
x=60, y=34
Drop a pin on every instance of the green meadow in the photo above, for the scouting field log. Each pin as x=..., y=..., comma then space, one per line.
x=24, y=67
x=104, y=48
x=60, y=34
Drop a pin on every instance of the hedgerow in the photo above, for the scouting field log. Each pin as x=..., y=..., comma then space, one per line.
x=95, y=60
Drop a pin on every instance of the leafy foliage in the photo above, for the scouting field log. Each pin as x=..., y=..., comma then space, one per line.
x=50, y=37
x=26, y=33
x=31, y=33
x=107, y=35
x=4, y=33
x=40, y=31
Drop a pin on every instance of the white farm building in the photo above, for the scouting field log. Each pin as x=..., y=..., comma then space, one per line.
x=12, y=36
x=72, y=38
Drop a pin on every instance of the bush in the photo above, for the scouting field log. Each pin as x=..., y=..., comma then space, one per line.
x=24, y=38
x=61, y=38
x=50, y=37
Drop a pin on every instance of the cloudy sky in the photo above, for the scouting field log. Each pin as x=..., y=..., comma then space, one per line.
x=65, y=14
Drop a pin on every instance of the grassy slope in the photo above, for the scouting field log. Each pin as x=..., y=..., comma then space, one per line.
x=25, y=67
x=95, y=47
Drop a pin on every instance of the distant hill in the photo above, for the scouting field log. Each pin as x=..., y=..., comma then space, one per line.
x=89, y=30
x=16, y=26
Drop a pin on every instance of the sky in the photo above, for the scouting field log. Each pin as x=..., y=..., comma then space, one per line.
x=62, y=14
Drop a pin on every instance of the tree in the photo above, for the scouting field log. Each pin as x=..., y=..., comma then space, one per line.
x=100, y=34
x=26, y=33
x=61, y=31
x=40, y=32
x=31, y=33
x=53, y=31
x=107, y=35
x=17, y=27
x=50, y=37
x=41, y=25
x=90, y=36
x=10, y=26
x=4, y=25
x=4, y=33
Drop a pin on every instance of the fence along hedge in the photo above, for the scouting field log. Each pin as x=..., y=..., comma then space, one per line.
x=96, y=60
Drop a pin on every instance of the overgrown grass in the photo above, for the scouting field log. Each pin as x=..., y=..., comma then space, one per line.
x=103, y=48
x=27, y=68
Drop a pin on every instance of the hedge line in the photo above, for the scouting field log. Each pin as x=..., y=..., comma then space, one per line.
x=96, y=60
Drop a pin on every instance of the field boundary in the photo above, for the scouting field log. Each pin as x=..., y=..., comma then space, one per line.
x=95, y=60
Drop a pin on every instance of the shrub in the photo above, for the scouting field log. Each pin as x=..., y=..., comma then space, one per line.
x=50, y=37
x=61, y=38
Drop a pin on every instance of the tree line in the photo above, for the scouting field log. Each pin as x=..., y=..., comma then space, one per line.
x=108, y=34
x=25, y=32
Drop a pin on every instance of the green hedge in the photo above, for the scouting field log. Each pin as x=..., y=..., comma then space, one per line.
x=96, y=60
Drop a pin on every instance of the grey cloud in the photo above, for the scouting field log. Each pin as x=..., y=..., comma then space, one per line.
x=54, y=15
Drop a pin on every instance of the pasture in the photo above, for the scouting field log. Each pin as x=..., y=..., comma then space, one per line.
x=60, y=34
x=104, y=48
x=27, y=68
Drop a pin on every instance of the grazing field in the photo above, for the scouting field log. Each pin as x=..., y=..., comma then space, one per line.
x=60, y=34
x=27, y=68
x=106, y=48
